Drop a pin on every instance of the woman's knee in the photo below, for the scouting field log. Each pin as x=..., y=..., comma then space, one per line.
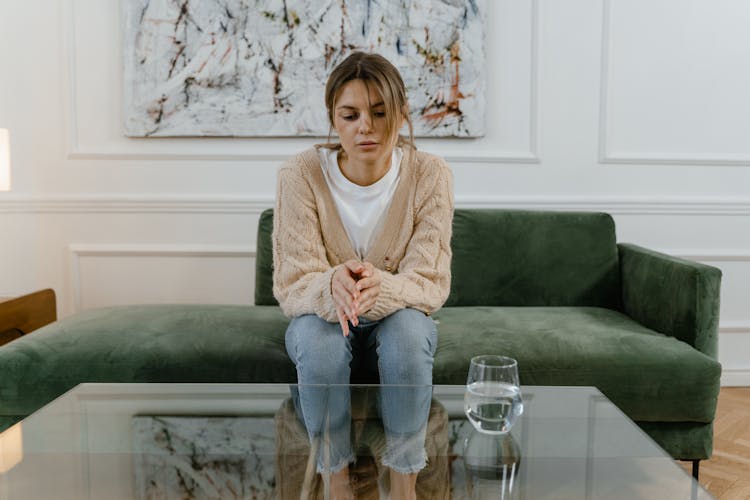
x=406, y=347
x=409, y=331
x=318, y=347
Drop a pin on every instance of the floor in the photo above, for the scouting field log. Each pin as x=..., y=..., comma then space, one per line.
x=727, y=474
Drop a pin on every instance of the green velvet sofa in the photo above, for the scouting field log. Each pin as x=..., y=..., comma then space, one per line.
x=552, y=289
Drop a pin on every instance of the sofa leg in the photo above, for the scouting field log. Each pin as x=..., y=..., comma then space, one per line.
x=696, y=467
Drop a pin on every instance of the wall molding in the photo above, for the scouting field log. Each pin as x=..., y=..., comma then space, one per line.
x=76, y=152
x=725, y=255
x=78, y=251
x=732, y=327
x=614, y=205
x=168, y=250
x=258, y=149
x=21, y=204
x=606, y=155
x=143, y=205
x=673, y=159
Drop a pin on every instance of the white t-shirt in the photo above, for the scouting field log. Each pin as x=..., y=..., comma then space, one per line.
x=362, y=208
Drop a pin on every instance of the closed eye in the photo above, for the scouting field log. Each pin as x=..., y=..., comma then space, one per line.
x=354, y=116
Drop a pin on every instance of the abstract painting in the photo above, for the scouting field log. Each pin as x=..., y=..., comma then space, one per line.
x=258, y=67
x=204, y=457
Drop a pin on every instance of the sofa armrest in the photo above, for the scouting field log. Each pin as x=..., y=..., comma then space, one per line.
x=670, y=295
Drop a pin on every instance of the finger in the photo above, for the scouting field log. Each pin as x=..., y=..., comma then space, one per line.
x=366, y=283
x=343, y=322
x=354, y=266
x=371, y=271
x=366, y=306
x=348, y=306
x=351, y=287
x=368, y=300
x=341, y=294
x=345, y=281
x=369, y=294
x=348, y=302
x=345, y=274
x=367, y=270
x=346, y=290
x=350, y=311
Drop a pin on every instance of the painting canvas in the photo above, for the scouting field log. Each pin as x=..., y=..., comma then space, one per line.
x=258, y=67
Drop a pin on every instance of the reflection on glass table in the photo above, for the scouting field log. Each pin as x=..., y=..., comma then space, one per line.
x=147, y=441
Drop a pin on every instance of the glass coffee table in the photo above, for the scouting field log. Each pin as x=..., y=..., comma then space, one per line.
x=161, y=441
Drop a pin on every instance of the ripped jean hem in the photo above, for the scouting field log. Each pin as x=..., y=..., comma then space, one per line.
x=405, y=469
x=336, y=468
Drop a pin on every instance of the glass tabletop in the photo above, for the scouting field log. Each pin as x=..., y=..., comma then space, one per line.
x=154, y=441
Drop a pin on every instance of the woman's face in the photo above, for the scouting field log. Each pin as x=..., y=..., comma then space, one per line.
x=359, y=120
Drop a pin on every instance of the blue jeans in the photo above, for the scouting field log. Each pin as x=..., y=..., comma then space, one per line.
x=400, y=347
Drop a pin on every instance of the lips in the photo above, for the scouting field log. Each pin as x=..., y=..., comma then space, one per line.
x=367, y=143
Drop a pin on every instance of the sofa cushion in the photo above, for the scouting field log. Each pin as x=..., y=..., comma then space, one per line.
x=650, y=376
x=534, y=258
x=264, y=261
x=146, y=343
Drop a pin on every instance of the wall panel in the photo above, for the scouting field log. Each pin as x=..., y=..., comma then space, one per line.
x=666, y=96
x=106, y=275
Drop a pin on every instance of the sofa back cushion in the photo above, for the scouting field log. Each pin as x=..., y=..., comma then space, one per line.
x=534, y=258
x=510, y=258
x=264, y=261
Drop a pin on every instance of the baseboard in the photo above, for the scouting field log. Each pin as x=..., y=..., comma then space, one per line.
x=735, y=377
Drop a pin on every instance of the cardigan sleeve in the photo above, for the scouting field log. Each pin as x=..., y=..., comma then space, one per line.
x=422, y=280
x=301, y=271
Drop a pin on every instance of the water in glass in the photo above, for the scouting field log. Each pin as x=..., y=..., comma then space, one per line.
x=493, y=407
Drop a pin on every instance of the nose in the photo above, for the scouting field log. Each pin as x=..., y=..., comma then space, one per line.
x=365, y=123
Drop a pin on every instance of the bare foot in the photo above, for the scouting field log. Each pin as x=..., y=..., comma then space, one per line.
x=403, y=486
x=340, y=487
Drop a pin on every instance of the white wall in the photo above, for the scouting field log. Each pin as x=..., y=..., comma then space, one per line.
x=634, y=107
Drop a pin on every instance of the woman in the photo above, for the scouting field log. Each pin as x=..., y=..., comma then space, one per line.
x=361, y=244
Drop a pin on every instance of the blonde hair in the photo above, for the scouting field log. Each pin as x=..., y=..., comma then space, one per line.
x=376, y=70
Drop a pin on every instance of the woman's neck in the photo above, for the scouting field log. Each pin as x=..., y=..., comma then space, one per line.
x=364, y=173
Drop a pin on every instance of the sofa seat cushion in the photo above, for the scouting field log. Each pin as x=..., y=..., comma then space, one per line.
x=650, y=376
x=144, y=343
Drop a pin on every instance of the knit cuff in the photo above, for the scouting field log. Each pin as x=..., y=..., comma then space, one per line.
x=323, y=304
x=386, y=303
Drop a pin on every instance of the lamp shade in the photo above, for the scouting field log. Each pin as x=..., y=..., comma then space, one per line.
x=4, y=160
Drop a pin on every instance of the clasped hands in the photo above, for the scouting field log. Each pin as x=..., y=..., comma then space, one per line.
x=355, y=287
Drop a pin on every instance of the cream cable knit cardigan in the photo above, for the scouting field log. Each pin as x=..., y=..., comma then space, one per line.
x=412, y=253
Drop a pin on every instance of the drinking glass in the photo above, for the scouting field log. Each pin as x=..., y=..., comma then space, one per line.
x=492, y=401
